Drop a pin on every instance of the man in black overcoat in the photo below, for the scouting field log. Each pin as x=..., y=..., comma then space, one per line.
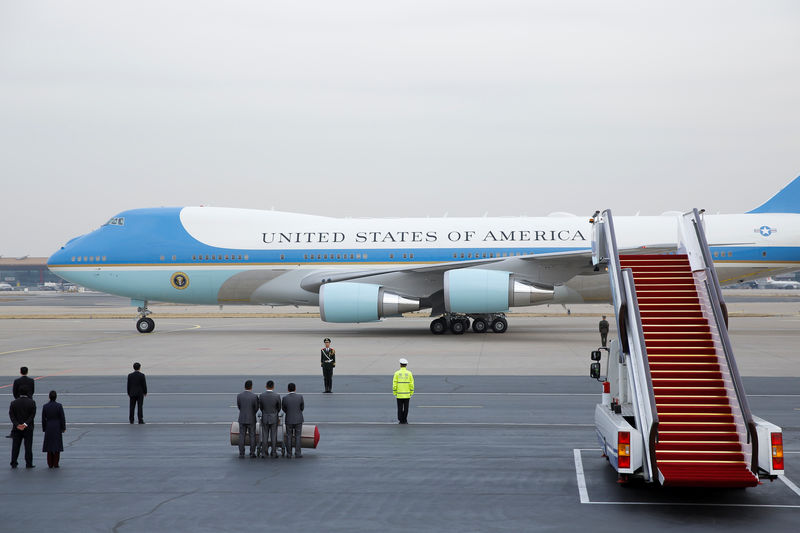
x=22, y=413
x=137, y=390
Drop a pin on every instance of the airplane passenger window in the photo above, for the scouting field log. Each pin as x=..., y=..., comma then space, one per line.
x=206, y=258
x=240, y=258
x=411, y=256
x=282, y=257
x=462, y=255
x=764, y=254
x=226, y=257
x=104, y=258
x=365, y=256
x=174, y=258
x=730, y=254
x=338, y=256
x=405, y=256
x=351, y=256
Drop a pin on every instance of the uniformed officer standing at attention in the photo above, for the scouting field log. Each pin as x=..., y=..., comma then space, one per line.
x=327, y=362
x=403, y=390
x=603, y=330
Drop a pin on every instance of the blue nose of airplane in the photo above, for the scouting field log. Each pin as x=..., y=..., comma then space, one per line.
x=61, y=256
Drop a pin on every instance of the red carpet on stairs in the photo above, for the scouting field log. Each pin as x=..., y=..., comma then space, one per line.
x=698, y=441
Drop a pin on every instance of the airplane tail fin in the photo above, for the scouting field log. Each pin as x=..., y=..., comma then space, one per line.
x=786, y=201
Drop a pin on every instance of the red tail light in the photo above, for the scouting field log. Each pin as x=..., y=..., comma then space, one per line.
x=777, y=450
x=624, y=449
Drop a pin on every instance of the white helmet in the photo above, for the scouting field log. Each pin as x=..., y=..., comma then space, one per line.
x=403, y=361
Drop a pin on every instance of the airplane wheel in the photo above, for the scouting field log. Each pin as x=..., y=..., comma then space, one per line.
x=499, y=325
x=479, y=325
x=457, y=327
x=145, y=325
x=438, y=326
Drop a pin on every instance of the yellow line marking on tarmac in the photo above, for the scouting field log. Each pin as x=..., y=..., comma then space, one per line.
x=95, y=341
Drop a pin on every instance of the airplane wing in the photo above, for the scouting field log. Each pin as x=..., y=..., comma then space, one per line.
x=552, y=268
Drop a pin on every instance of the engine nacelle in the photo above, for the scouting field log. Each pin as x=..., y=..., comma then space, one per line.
x=347, y=302
x=472, y=290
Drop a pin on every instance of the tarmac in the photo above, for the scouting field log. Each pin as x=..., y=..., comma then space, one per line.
x=501, y=434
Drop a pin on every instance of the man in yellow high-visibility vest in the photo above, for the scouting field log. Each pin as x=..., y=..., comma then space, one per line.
x=403, y=390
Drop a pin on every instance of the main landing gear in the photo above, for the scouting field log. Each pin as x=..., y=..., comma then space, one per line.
x=145, y=324
x=458, y=324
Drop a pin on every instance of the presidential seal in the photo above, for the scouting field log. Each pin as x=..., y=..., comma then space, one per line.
x=179, y=280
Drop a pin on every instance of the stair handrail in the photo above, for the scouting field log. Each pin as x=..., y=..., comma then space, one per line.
x=718, y=307
x=634, y=314
x=626, y=308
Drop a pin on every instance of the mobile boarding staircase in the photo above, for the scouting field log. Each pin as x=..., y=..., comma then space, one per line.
x=673, y=409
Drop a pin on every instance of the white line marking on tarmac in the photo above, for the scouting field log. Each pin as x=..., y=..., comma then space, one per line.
x=788, y=483
x=321, y=394
x=584, y=494
x=91, y=407
x=344, y=423
x=449, y=407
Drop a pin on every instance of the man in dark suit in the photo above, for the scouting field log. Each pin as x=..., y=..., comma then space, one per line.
x=293, y=406
x=23, y=381
x=247, y=402
x=270, y=403
x=19, y=383
x=137, y=390
x=22, y=413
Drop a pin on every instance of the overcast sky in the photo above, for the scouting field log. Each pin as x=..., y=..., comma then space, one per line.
x=403, y=108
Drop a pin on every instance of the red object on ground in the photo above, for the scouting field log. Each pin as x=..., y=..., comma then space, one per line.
x=698, y=441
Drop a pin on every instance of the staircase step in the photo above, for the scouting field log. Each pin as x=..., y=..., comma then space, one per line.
x=685, y=374
x=688, y=399
x=695, y=417
x=699, y=445
x=682, y=366
x=709, y=474
x=678, y=408
x=671, y=314
x=670, y=321
x=691, y=427
x=695, y=455
x=704, y=436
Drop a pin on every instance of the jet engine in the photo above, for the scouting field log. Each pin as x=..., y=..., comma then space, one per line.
x=471, y=290
x=348, y=302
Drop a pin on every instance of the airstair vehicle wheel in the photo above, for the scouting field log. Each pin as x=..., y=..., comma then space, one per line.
x=479, y=325
x=145, y=325
x=457, y=327
x=438, y=326
x=499, y=325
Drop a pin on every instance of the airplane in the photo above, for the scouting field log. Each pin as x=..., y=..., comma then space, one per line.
x=770, y=283
x=467, y=271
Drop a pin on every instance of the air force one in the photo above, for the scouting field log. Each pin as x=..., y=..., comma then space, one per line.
x=465, y=270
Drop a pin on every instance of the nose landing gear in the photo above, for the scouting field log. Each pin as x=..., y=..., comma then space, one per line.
x=145, y=324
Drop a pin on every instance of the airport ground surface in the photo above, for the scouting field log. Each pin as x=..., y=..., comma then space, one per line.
x=500, y=429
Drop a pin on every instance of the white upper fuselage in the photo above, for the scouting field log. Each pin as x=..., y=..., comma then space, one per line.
x=249, y=256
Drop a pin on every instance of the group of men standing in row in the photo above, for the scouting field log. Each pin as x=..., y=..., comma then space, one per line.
x=271, y=404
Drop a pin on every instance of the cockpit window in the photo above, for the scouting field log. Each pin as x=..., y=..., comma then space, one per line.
x=116, y=221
